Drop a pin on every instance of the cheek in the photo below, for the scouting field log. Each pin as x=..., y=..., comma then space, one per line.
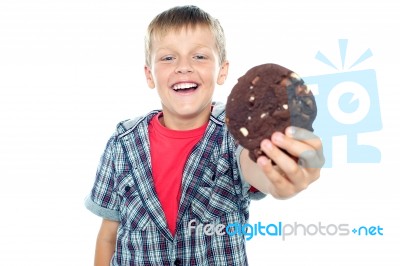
x=210, y=75
x=160, y=75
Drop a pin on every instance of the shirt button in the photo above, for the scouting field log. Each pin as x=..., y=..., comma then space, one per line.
x=177, y=262
x=127, y=188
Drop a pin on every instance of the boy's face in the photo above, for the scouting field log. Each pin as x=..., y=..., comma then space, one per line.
x=185, y=69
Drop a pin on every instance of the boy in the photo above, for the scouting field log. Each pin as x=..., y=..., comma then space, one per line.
x=166, y=174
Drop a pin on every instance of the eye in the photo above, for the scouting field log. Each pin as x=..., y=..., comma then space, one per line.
x=199, y=57
x=167, y=58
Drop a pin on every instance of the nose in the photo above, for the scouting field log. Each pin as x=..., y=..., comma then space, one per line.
x=183, y=66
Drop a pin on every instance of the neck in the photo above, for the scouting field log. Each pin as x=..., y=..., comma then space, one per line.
x=185, y=122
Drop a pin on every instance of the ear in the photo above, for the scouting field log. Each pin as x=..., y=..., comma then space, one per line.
x=149, y=77
x=223, y=73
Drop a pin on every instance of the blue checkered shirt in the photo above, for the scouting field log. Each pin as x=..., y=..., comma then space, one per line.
x=213, y=192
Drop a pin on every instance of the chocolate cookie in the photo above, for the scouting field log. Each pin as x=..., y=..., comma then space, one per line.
x=268, y=98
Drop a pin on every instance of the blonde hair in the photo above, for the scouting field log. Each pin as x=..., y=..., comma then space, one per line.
x=180, y=17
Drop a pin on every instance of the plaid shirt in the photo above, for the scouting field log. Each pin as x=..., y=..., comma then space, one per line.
x=213, y=192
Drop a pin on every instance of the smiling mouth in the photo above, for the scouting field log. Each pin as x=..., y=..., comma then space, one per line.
x=185, y=87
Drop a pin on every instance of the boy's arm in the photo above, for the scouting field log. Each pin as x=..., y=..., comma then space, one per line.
x=287, y=177
x=105, y=244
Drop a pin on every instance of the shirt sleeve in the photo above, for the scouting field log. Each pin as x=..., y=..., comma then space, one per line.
x=103, y=199
x=246, y=187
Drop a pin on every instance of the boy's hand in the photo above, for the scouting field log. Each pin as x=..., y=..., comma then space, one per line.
x=289, y=176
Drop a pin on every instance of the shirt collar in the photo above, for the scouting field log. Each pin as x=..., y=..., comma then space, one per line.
x=217, y=116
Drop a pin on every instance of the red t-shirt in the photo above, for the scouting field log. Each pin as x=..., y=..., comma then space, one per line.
x=169, y=150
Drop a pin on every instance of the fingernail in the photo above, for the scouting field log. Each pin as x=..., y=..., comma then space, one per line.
x=267, y=144
x=278, y=137
x=263, y=161
x=292, y=130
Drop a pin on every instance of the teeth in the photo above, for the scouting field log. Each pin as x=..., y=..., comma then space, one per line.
x=182, y=86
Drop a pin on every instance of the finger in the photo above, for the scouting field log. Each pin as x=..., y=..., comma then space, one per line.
x=307, y=155
x=304, y=135
x=302, y=144
x=311, y=159
x=286, y=167
x=287, y=164
x=281, y=185
x=293, y=146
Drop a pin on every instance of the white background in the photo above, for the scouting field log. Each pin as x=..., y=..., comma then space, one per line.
x=70, y=70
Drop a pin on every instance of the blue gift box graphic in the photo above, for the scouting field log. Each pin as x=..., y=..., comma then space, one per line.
x=348, y=104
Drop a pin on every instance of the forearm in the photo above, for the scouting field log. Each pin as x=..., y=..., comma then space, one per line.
x=105, y=244
x=104, y=252
x=253, y=174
